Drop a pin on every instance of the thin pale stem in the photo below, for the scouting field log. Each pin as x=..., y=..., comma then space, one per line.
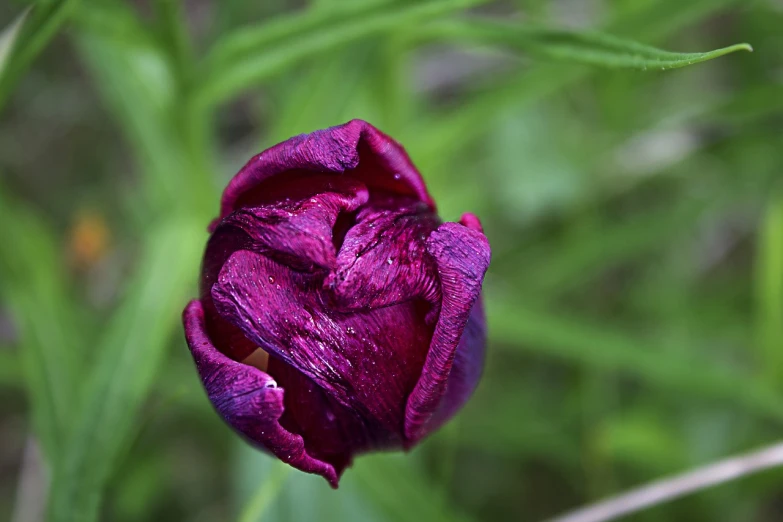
x=677, y=486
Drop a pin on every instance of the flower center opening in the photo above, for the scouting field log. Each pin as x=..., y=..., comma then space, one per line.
x=258, y=359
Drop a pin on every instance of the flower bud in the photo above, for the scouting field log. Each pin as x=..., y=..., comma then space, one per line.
x=338, y=315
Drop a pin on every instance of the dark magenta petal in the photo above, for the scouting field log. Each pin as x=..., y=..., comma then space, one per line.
x=299, y=232
x=329, y=269
x=368, y=361
x=465, y=371
x=248, y=399
x=356, y=148
x=331, y=432
x=384, y=259
x=462, y=255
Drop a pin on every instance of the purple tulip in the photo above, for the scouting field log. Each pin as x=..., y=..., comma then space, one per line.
x=338, y=315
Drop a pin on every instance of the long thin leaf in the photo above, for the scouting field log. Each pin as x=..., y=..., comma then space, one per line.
x=385, y=479
x=8, y=39
x=430, y=135
x=226, y=80
x=769, y=292
x=266, y=493
x=38, y=30
x=590, y=48
x=251, y=467
x=175, y=38
x=576, y=341
x=554, y=267
x=328, y=91
x=255, y=39
x=139, y=86
x=121, y=377
x=33, y=283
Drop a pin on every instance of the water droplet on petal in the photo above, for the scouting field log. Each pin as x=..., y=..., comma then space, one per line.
x=390, y=261
x=271, y=280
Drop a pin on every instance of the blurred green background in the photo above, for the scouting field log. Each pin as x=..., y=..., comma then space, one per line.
x=635, y=297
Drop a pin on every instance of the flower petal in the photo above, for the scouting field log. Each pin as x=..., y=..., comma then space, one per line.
x=384, y=260
x=462, y=254
x=298, y=232
x=466, y=370
x=331, y=432
x=248, y=399
x=369, y=361
x=356, y=148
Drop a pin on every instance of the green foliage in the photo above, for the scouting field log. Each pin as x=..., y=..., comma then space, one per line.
x=589, y=48
x=635, y=299
x=40, y=302
x=8, y=40
x=267, y=491
x=38, y=29
x=769, y=290
x=255, y=54
x=126, y=362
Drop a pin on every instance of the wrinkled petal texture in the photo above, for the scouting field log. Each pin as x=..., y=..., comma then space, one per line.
x=368, y=360
x=384, y=165
x=462, y=255
x=247, y=398
x=328, y=255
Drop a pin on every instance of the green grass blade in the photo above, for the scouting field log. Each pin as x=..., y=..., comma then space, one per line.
x=590, y=48
x=430, y=135
x=39, y=28
x=8, y=39
x=326, y=92
x=570, y=339
x=266, y=493
x=139, y=102
x=252, y=467
x=257, y=38
x=140, y=88
x=175, y=39
x=120, y=379
x=556, y=267
x=769, y=293
x=226, y=79
x=143, y=78
x=756, y=101
x=32, y=281
x=385, y=479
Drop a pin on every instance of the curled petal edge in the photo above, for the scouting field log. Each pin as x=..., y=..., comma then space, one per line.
x=248, y=399
x=462, y=254
x=465, y=371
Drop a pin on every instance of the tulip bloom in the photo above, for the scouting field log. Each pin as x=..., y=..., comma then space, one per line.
x=337, y=314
